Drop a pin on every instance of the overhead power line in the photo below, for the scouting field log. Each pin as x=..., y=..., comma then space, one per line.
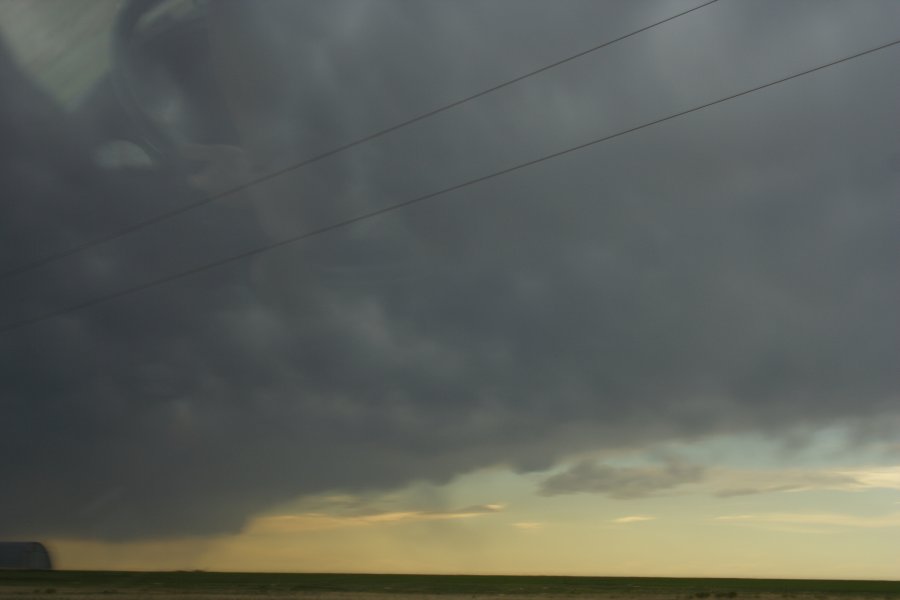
x=393, y=207
x=135, y=227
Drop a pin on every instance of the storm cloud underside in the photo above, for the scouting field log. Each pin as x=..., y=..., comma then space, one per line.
x=731, y=271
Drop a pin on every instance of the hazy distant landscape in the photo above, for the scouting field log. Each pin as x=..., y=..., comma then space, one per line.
x=90, y=584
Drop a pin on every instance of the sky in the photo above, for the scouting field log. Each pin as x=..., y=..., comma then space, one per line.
x=672, y=353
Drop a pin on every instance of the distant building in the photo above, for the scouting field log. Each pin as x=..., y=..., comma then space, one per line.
x=24, y=555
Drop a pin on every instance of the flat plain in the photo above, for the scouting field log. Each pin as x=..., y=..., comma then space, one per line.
x=92, y=585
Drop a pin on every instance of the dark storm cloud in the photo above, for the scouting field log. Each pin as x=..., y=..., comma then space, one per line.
x=734, y=270
x=620, y=482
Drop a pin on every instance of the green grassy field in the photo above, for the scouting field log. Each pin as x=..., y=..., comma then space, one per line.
x=80, y=583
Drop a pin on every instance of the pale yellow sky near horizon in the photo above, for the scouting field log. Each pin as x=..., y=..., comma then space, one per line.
x=805, y=521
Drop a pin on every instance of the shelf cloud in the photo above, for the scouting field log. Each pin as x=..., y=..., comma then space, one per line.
x=731, y=271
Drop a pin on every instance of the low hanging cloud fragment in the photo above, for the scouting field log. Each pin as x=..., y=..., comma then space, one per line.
x=732, y=483
x=620, y=482
x=319, y=521
x=793, y=482
x=633, y=519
